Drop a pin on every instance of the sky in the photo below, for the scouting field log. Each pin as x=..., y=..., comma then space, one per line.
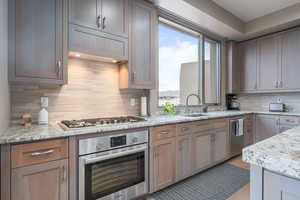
x=175, y=48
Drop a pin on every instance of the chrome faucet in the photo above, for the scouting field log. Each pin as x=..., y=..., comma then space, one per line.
x=199, y=100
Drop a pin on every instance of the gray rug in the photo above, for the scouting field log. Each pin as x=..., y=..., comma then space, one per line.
x=218, y=183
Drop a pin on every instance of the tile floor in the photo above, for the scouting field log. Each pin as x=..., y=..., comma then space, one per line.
x=244, y=192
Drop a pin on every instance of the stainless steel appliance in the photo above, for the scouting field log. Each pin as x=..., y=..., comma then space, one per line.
x=232, y=102
x=237, y=136
x=73, y=124
x=114, y=167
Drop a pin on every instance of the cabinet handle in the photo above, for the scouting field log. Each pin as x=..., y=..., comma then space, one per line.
x=103, y=22
x=64, y=174
x=58, y=67
x=36, y=154
x=133, y=76
x=98, y=21
x=185, y=129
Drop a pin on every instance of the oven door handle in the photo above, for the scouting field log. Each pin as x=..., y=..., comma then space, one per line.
x=115, y=155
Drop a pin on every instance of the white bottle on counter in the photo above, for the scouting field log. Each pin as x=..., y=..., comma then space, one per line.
x=43, y=117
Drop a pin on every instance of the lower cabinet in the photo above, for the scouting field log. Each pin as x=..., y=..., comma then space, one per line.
x=183, y=157
x=220, y=145
x=48, y=181
x=248, y=130
x=266, y=126
x=279, y=187
x=164, y=163
x=202, y=150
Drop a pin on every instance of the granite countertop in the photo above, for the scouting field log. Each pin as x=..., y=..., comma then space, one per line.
x=280, y=153
x=18, y=134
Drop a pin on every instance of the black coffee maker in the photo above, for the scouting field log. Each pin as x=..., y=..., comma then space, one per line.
x=232, y=102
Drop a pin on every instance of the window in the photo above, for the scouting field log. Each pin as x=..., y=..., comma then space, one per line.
x=180, y=66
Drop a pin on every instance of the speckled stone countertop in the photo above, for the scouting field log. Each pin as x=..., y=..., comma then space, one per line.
x=18, y=134
x=280, y=153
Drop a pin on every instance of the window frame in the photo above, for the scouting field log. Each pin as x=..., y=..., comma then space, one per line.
x=186, y=27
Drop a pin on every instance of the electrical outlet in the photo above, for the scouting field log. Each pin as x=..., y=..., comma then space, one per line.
x=132, y=101
x=44, y=102
x=279, y=100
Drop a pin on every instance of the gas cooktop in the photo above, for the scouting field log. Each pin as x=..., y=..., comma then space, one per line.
x=72, y=124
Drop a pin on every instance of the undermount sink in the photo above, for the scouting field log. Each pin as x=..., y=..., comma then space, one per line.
x=196, y=115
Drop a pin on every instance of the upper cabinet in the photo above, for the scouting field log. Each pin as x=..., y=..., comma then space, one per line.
x=99, y=28
x=140, y=70
x=247, y=61
x=291, y=60
x=109, y=16
x=270, y=63
x=37, y=41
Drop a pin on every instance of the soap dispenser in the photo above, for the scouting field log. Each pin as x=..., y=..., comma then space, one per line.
x=43, y=114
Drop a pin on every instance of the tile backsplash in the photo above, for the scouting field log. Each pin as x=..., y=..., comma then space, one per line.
x=92, y=91
x=260, y=102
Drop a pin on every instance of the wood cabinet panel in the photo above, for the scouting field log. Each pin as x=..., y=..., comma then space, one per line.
x=269, y=63
x=291, y=60
x=266, y=126
x=247, y=53
x=97, y=43
x=279, y=187
x=163, y=132
x=183, y=157
x=248, y=130
x=220, y=144
x=84, y=13
x=164, y=163
x=115, y=17
x=47, y=181
x=202, y=150
x=38, y=152
x=37, y=41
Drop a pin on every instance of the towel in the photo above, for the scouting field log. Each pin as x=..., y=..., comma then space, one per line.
x=240, y=131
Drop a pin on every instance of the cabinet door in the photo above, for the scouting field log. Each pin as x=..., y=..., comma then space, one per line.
x=36, y=42
x=279, y=187
x=247, y=52
x=164, y=163
x=114, y=16
x=143, y=45
x=202, y=151
x=269, y=63
x=220, y=145
x=291, y=60
x=47, y=181
x=248, y=130
x=266, y=126
x=183, y=157
x=85, y=13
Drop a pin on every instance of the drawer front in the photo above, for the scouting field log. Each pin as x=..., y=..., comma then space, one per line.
x=202, y=126
x=163, y=132
x=219, y=124
x=38, y=152
x=185, y=129
x=289, y=120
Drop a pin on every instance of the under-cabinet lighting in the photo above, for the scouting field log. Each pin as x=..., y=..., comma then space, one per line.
x=77, y=55
x=92, y=57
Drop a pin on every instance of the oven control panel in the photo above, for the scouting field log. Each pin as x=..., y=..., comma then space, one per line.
x=104, y=143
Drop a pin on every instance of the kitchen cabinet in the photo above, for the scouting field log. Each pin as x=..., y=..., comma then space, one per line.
x=266, y=126
x=219, y=140
x=109, y=16
x=269, y=63
x=140, y=70
x=279, y=187
x=37, y=41
x=247, y=60
x=248, y=130
x=48, y=181
x=183, y=157
x=164, y=163
x=233, y=69
x=202, y=150
x=290, y=60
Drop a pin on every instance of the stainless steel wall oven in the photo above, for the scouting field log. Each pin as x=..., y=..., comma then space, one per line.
x=113, y=167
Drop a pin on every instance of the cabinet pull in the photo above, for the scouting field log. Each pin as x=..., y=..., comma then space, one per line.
x=58, y=67
x=133, y=76
x=98, y=21
x=36, y=154
x=185, y=129
x=164, y=133
x=103, y=22
x=64, y=174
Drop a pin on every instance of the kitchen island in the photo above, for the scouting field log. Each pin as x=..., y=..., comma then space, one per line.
x=275, y=167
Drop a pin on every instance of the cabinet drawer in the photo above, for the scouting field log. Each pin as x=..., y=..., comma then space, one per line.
x=185, y=129
x=289, y=120
x=202, y=126
x=38, y=152
x=219, y=124
x=162, y=132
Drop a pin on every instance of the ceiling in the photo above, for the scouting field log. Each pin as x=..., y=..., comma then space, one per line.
x=248, y=10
